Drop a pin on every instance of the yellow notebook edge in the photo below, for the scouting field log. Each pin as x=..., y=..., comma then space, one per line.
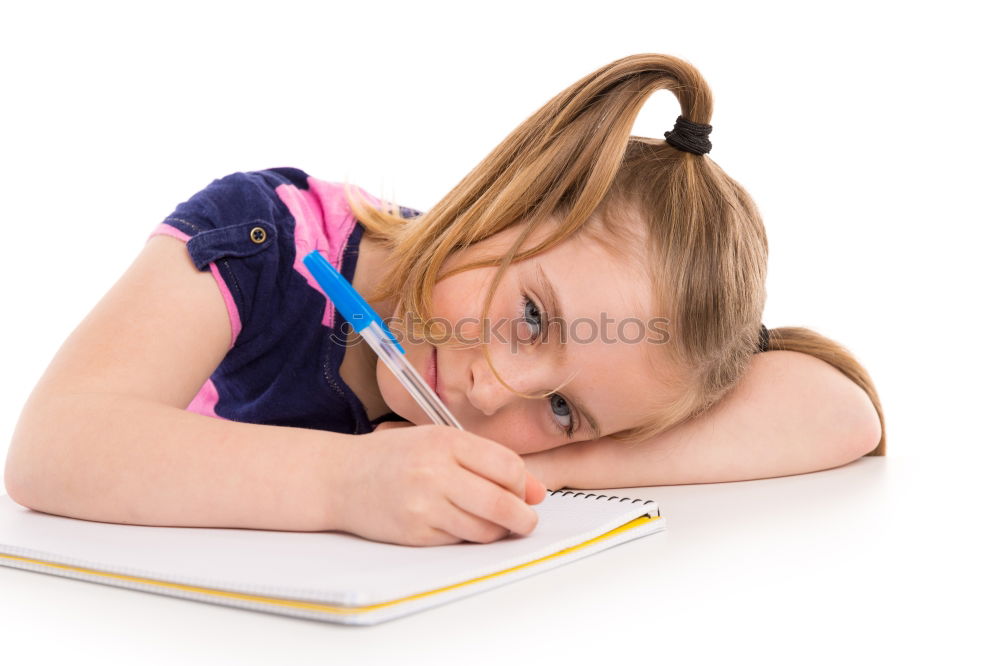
x=34, y=564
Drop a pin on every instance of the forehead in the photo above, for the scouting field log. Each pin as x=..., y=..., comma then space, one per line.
x=596, y=279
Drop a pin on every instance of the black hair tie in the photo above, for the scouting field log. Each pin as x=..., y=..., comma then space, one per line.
x=689, y=136
x=763, y=343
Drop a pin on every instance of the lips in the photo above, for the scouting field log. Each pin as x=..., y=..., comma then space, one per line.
x=434, y=376
x=432, y=369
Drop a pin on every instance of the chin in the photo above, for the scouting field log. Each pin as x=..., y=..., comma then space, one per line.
x=414, y=415
x=398, y=398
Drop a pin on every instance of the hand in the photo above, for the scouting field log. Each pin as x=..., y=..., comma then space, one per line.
x=545, y=466
x=432, y=485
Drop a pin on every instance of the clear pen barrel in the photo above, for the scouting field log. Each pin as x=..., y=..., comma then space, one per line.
x=408, y=375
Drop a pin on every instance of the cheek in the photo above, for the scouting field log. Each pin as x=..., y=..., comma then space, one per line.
x=520, y=432
x=396, y=397
x=521, y=333
x=386, y=384
x=462, y=296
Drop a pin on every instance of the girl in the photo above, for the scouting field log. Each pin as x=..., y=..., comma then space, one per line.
x=587, y=303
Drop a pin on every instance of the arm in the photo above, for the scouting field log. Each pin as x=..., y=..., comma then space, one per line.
x=791, y=414
x=105, y=436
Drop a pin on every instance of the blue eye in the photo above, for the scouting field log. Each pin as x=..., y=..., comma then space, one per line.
x=531, y=314
x=561, y=408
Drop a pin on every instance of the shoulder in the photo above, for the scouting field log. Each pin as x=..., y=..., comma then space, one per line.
x=232, y=199
x=320, y=208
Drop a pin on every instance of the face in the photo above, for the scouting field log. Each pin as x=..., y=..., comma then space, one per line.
x=611, y=377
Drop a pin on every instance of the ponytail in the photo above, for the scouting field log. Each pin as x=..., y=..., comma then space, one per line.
x=574, y=160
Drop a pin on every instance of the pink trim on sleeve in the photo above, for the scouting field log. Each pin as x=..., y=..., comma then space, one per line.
x=324, y=222
x=165, y=229
x=206, y=400
x=235, y=325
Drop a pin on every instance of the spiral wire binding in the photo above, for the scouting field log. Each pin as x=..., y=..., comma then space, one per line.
x=608, y=498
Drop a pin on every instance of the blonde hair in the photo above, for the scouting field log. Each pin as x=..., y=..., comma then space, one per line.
x=575, y=161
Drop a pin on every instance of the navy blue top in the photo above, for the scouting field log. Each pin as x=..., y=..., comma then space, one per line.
x=251, y=230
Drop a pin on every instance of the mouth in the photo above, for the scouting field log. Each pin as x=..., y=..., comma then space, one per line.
x=432, y=378
x=436, y=382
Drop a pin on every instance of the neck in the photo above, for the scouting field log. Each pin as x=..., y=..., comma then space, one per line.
x=373, y=258
x=358, y=368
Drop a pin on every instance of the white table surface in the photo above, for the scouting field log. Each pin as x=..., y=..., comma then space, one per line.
x=868, y=562
x=864, y=132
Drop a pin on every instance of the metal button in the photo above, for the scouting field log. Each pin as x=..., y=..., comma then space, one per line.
x=258, y=235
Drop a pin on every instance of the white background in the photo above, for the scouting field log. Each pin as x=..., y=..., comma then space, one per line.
x=866, y=132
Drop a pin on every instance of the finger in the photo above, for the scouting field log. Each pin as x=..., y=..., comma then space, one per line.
x=461, y=524
x=438, y=537
x=489, y=460
x=488, y=501
x=534, y=492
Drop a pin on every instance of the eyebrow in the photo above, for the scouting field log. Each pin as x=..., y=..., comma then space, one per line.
x=549, y=295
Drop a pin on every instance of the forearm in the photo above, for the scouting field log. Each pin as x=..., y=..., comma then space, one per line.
x=791, y=414
x=128, y=460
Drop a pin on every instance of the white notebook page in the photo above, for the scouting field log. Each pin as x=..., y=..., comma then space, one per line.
x=328, y=567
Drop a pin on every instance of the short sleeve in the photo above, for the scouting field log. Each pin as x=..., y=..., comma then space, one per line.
x=233, y=228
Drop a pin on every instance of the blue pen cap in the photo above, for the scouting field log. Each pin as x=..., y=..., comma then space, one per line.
x=353, y=308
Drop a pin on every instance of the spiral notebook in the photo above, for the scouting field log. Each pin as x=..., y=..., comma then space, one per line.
x=329, y=576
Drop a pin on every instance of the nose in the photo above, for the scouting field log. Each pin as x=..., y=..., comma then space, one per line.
x=486, y=393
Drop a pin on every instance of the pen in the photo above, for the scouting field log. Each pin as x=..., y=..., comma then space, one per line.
x=366, y=322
